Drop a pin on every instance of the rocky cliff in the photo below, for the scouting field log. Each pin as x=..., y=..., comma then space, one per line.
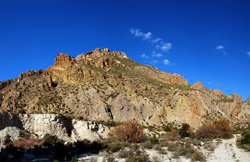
x=103, y=85
x=38, y=125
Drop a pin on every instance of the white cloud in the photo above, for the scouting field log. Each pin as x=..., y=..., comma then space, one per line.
x=147, y=35
x=157, y=54
x=158, y=43
x=139, y=33
x=136, y=32
x=156, y=40
x=144, y=56
x=219, y=47
x=166, y=46
x=248, y=53
x=166, y=62
x=222, y=48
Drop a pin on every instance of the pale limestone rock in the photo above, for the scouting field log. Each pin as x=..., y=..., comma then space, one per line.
x=88, y=130
x=41, y=124
x=12, y=131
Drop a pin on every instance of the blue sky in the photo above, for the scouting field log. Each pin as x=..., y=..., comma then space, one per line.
x=207, y=41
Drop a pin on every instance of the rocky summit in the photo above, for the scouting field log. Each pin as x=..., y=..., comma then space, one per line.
x=108, y=86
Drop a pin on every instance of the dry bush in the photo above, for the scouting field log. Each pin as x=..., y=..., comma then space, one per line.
x=147, y=145
x=172, y=135
x=129, y=131
x=172, y=147
x=163, y=142
x=25, y=143
x=219, y=129
x=123, y=153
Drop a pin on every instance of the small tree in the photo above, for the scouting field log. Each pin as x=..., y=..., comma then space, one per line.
x=129, y=131
x=167, y=128
x=184, y=131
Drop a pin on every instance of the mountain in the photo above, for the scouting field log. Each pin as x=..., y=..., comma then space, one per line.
x=103, y=85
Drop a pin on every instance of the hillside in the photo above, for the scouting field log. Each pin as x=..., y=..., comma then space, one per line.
x=103, y=85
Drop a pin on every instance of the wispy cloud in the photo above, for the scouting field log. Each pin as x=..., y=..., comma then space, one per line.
x=166, y=62
x=248, y=53
x=166, y=46
x=157, y=54
x=139, y=33
x=159, y=46
x=220, y=47
x=144, y=56
x=213, y=83
x=159, y=43
x=156, y=40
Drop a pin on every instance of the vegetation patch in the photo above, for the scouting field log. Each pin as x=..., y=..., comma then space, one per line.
x=219, y=129
x=129, y=131
x=244, y=141
x=223, y=100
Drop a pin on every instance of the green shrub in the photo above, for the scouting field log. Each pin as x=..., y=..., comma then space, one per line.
x=244, y=141
x=74, y=159
x=48, y=140
x=167, y=128
x=154, y=140
x=198, y=156
x=184, y=131
x=115, y=146
x=245, y=138
x=112, y=123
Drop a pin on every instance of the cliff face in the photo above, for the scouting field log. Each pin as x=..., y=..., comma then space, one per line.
x=38, y=125
x=104, y=85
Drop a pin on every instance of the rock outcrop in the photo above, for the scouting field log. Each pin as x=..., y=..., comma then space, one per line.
x=63, y=60
x=100, y=53
x=218, y=92
x=38, y=125
x=197, y=85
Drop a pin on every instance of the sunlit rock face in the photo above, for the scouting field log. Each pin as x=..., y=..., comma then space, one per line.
x=104, y=85
x=38, y=125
